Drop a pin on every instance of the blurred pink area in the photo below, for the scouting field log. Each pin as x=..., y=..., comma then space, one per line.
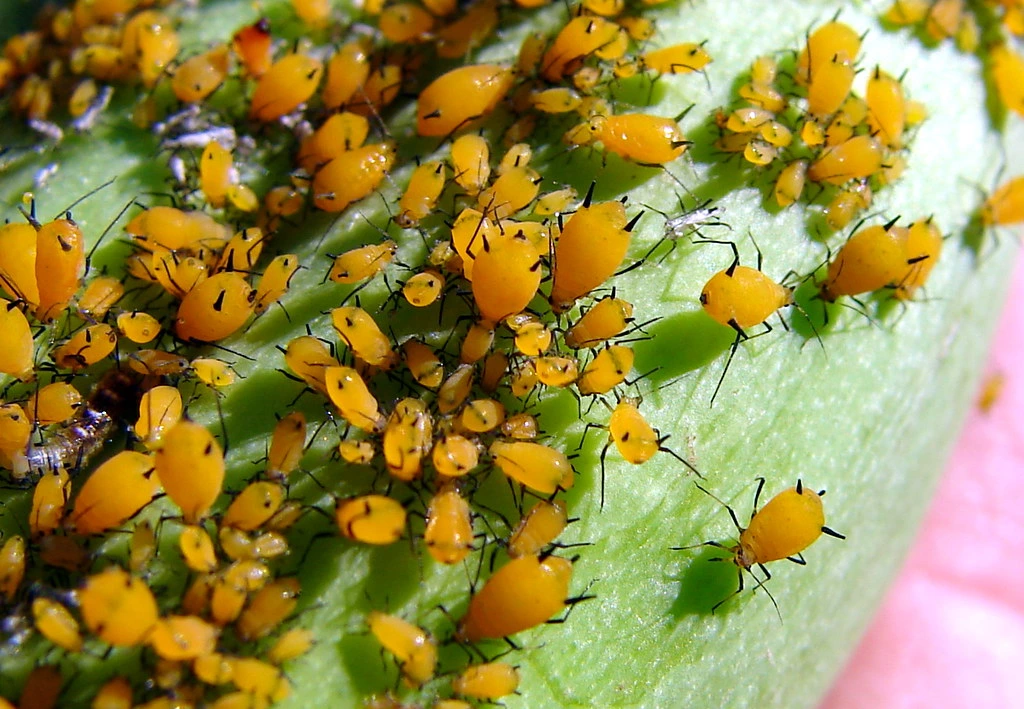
x=951, y=631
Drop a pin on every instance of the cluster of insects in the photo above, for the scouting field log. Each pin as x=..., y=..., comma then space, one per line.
x=501, y=294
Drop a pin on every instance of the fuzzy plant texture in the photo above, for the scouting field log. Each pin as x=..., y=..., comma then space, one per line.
x=870, y=415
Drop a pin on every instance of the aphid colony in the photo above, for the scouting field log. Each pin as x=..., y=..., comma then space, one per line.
x=837, y=141
x=974, y=30
x=518, y=275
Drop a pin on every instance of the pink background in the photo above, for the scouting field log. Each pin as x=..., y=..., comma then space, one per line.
x=951, y=631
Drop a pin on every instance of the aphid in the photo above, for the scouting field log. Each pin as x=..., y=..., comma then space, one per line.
x=275, y=281
x=86, y=347
x=119, y=609
x=371, y=519
x=589, y=250
x=54, y=403
x=114, y=493
x=789, y=185
x=404, y=22
x=12, y=567
x=423, y=363
x=1005, y=205
x=116, y=693
x=635, y=439
x=197, y=549
x=789, y=523
x=113, y=399
x=578, y=39
x=677, y=59
x=454, y=455
x=521, y=426
x=449, y=531
x=259, y=681
x=18, y=262
x=535, y=465
x=157, y=363
x=242, y=251
x=423, y=288
x=507, y=274
x=139, y=327
x=49, y=498
x=420, y=197
x=538, y=528
x=1007, y=70
x=407, y=439
x=315, y=13
x=254, y=506
x=357, y=452
x=638, y=137
x=215, y=173
x=56, y=624
x=533, y=339
x=292, y=644
x=556, y=371
x=362, y=263
x=830, y=84
x=152, y=43
x=178, y=638
x=340, y=133
x=352, y=176
x=268, y=609
x=555, y=202
x=514, y=189
x=607, y=318
x=100, y=294
x=289, y=82
x=361, y=334
x=287, y=444
x=349, y=393
x=213, y=372
x=457, y=38
x=59, y=264
x=860, y=156
x=489, y=681
x=606, y=371
x=457, y=98
x=199, y=76
x=215, y=309
x=887, y=108
x=347, y=71
x=847, y=203
x=413, y=648
x=477, y=342
x=556, y=100
x=454, y=390
x=522, y=594
x=190, y=466
x=873, y=258
x=923, y=247
x=159, y=409
x=482, y=415
x=831, y=40
x=16, y=344
x=471, y=156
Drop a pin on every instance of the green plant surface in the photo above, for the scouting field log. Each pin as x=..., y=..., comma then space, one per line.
x=861, y=419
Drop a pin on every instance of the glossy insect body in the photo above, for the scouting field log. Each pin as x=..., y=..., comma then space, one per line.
x=606, y=371
x=506, y=276
x=1005, y=205
x=190, y=466
x=641, y=138
x=348, y=392
x=119, y=609
x=98, y=508
x=215, y=308
x=371, y=519
x=449, y=531
x=608, y=318
x=456, y=99
x=287, y=444
x=16, y=343
x=789, y=523
x=589, y=250
x=352, y=175
x=413, y=647
x=742, y=297
x=535, y=465
x=60, y=265
x=522, y=594
x=360, y=332
x=407, y=439
x=872, y=258
x=539, y=527
x=363, y=262
x=289, y=82
x=489, y=681
x=421, y=195
x=86, y=347
x=471, y=160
